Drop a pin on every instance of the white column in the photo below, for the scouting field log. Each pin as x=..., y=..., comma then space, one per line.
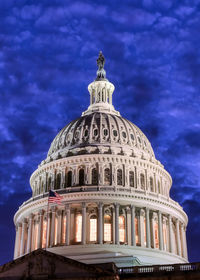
x=68, y=223
x=30, y=230
x=52, y=238
x=116, y=223
x=59, y=228
x=40, y=229
x=17, y=240
x=83, y=239
x=185, y=243
x=133, y=243
x=171, y=243
x=148, y=237
x=48, y=228
x=100, y=223
x=141, y=231
x=178, y=237
x=160, y=230
x=24, y=228
x=153, y=217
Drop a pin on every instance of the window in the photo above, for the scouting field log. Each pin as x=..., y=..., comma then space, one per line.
x=44, y=234
x=86, y=133
x=93, y=228
x=78, y=228
x=107, y=176
x=142, y=181
x=115, y=133
x=132, y=136
x=105, y=132
x=94, y=176
x=119, y=177
x=68, y=179
x=136, y=232
x=151, y=184
x=131, y=178
x=121, y=229
x=58, y=181
x=81, y=177
x=56, y=231
x=35, y=235
x=156, y=234
x=95, y=132
x=107, y=228
x=124, y=134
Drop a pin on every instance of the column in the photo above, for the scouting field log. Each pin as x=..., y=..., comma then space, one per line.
x=153, y=217
x=17, y=239
x=116, y=223
x=52, y=236
x=185, y=243
x=83, y=239
x=160, y=230
x=48, y=228
x=178, y=237
x=171, y=243
x=24, y=228
x=40, y=229
x=100, y=223
x=59, y=228
x=148, y=237
x=68, y=223
x=30, y=230
x=141, y=232
x=133, y=243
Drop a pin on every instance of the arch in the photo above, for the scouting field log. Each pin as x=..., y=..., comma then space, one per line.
x=58, y=181
x=81, y=177
x=142, y=181
x=93, y=228
x=94, y=176
x=119, y=177
x=122, y=229
x=131, y=179
x=151, y=184
x=107, y=176
x=107, y=228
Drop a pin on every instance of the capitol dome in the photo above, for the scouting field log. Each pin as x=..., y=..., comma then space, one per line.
x=116, y=204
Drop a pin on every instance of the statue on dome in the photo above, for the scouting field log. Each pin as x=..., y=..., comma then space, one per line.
x=101, y=73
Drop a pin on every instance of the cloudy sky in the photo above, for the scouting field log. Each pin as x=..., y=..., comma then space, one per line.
x=48, y=52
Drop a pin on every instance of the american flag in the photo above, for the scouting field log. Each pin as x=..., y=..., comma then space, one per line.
x=54, y=197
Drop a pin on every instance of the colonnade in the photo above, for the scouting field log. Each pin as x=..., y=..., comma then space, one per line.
x=99, y=224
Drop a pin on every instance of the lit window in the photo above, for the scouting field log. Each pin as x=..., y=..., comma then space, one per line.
x=165, y=236
x=131, y=178
x=121, y=229
x=107, y=228
x=136, y=232
x=93, y=228
x=78, y=228
x=107, y=176
x=56, y=230
x=36, y=236
x=44, y=234
x=156, y=234
x=63, y=229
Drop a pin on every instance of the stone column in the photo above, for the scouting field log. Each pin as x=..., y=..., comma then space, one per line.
x=48, y=228
x=59, y=228
x=68, y=223
x=40, y=229
x=153, y=217
x=100, y=223
x=133, y=243
x=185, y=243
x=30, y=230
x=52, y=236
x=160, y=230
x=116, y=223
x=24, y=228
x=148, y=237
x=83, y=239
x=171, y=243
x=141, y=231
x=178, y=237
x=18, y=240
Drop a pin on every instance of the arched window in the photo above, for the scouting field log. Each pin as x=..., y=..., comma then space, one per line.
x=68, y=179
x=159, y=188
x=78, y=228
x=94, y=176
x=107, y=176
x=44, y=233
x=151, y=184
x=107, y=228
x=131, y=178
x=121, y=229
x=81, y=177
x=93, y=228
x=58, y=181
x=142, y=181
x=119, y=177
x=49, y=183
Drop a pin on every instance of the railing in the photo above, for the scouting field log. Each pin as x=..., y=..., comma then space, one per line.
x=159, y=268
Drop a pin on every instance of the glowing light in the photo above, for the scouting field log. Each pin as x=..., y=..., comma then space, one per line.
x=156, y=234
x=36, y=236
x=64, y=229
x=78, y=228
x=44, y=234
x=136, y=232
x=121, y=229
x=107, y=228
x=56, y=231
x=93, y=229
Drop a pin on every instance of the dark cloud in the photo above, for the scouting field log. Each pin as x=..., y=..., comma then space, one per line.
x=48, y=51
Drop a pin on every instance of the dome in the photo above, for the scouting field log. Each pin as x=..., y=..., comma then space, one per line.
x=100, y=129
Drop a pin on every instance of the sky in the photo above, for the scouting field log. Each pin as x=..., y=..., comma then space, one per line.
x=48, y=52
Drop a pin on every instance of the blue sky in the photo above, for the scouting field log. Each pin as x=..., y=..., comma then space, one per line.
x=48, y=52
